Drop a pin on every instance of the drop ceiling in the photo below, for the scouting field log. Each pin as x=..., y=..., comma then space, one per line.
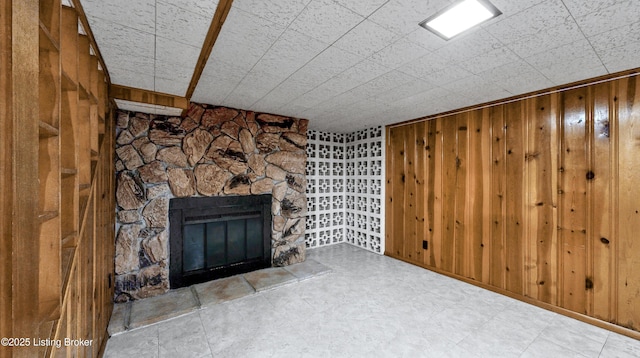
x=350, y=64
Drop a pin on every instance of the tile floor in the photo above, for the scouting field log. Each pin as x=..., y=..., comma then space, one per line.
x=370, y=306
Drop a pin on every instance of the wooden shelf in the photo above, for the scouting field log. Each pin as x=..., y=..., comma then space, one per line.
x=82, y=92
x=47, y=42
x=68, y=84
x=69, y=240
x=67, y=260
x=47, y=130
x=67, y=172
x=47, y=215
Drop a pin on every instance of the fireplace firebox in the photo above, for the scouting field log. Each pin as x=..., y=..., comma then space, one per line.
x=214, y=237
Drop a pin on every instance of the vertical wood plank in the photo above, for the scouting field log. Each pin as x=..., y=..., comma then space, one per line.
x=420, y=188
x=25, y=247
x=601, y=209
x=430, y=258
x=573, y=186
x=515, y=139
x=409, y=181
x=461, y=243
x=397, y=193
x=486, y=194
x=542, y=278
x=475, y=235
x=449, y=169
x=628, y=302
x=6, y=172
x=497, y=276
x=437, y=237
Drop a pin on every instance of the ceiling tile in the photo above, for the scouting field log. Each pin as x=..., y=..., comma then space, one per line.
x=537, y=18
x=426, y=39
x=363, y=8
x=174, y=86
x=621, y=36
x=282, y=12
x=123, y=40
x=403, y=16
x=245, y=38
x=204, y=8
x=139, y=14
x=568, y=63
x=252, y=88
x=314, y=97
x=546, y=39
x=404, y=90
x=449, y=74
x=468, y=46
x=621, y=14
x=380, y=84
x=176, y=53
x=581, y=7
x=180, y=25
x=326, y=21
x=399, y=53
x=289, y=53
x=465, y=83
x=366, y=39
x=145, y=65
x=285, y=93
x=330, y=62
x=360, y=73
x=525, y=82
x=217, y=81
x=622, y=58
x=425, y=65
x=489, y=60
x=427, y=96
x=125, y=77
x=508, y=71
x=511, y=7
x=565, y=54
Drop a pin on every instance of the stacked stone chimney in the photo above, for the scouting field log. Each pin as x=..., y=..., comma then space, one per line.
x=212, y=151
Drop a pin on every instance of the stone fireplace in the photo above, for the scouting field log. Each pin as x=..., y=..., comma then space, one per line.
x=210, y=152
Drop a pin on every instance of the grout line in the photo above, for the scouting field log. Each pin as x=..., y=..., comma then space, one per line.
x=195, y=296
x=585, y=37
x=127, y=316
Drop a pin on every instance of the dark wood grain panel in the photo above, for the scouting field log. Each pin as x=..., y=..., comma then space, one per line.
x=628, y=250
x=573, y=200
x=461, y=258
x=537, y=198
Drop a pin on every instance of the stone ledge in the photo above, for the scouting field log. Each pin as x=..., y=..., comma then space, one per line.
x=140, y=313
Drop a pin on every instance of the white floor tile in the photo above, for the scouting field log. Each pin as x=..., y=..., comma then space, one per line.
x=371, y=306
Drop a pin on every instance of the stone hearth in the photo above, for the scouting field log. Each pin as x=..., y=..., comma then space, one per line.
x=212, y=151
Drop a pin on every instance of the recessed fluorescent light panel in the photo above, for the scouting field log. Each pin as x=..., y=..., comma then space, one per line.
x=460, y=17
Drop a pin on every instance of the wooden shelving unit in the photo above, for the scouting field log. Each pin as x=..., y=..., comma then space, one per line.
x=56, y=157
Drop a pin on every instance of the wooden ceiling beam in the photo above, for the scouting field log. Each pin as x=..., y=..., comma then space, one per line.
x=212, y=35
x=149, y=97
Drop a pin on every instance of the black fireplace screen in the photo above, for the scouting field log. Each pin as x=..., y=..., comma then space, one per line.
x=218, y=237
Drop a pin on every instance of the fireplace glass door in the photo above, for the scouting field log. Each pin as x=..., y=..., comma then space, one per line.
x=213, y=237
x=221, y=241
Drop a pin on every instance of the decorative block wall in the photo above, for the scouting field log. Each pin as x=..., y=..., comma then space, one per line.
x=325, y=188
x=213, y=151
x=345, y=176
x=364, y=217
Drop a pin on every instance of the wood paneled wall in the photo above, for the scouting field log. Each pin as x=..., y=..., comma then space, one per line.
x=537, y=198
